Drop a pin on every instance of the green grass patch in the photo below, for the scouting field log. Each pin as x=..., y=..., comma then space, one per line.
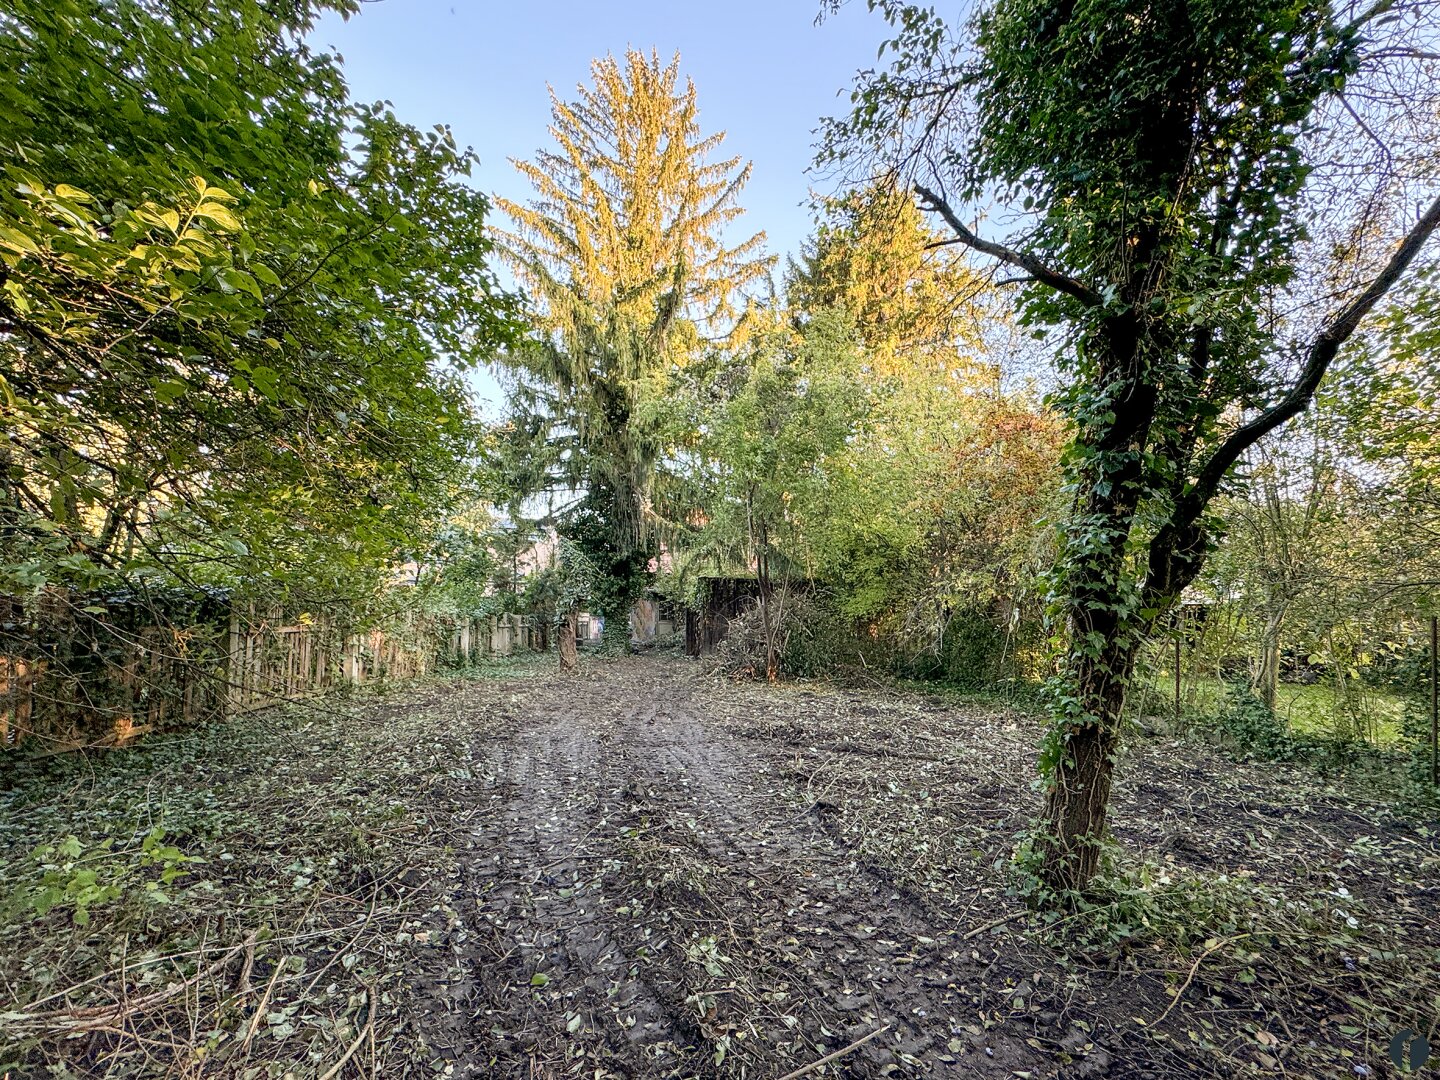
x=1316, y=711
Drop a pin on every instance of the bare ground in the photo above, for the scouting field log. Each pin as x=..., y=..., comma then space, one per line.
x=673, y=877
x=645, y=872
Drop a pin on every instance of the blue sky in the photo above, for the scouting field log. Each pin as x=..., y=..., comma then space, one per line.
x=764, y=73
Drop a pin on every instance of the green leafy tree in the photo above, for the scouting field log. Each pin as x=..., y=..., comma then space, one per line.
x=233, y=303
x=559, y=590
x=1294, y=552
x=1159, y=165
x=793, y=403
x=1384, y=396
x=937, y=509
x=933, y=507
x=458, y=568
x=916, y=304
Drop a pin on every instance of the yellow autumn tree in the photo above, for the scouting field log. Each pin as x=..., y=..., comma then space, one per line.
x=916, y=304
x=623, y=252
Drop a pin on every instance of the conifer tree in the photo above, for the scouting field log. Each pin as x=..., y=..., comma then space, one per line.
x=913, y=298
x=624, y=256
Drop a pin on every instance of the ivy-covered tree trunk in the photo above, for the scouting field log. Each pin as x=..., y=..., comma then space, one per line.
x=1096, y=597
x=1078, y=798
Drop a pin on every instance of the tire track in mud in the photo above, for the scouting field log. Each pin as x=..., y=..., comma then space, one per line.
x=815, y=924
x=553, y=986
x=642, y=898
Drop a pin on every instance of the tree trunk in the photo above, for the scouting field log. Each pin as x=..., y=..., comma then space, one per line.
x=1104, y=620
x=760, y=544
x=1267, y=673
x=569, y=655
x=1079, y=797
x=772, y=664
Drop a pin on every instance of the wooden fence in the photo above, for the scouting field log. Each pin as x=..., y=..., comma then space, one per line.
x=77, y=674
x=499, y=635
x=274, y=663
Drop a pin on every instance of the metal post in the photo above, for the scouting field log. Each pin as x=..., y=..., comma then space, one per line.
x=1434, y=704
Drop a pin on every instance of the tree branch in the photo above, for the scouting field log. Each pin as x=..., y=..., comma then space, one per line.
x=1317, y=363
x=1029, y=263
x=1177, y=549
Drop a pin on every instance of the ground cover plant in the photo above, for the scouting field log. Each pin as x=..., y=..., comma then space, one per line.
x=242, y=899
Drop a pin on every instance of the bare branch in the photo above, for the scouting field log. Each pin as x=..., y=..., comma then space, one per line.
x=1322, y=353
x=1029, y=263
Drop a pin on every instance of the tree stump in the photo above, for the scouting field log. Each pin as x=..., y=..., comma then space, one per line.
x=569, y=655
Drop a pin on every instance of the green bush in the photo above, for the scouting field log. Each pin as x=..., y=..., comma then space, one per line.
x=972, y=650
x=1404, y=669
x=1415, y=728
x=1252, y=727
x=819, y=639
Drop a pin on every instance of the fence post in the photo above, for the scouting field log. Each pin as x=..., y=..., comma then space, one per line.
x=322, y=651
x=1177, y=680
x=253, y=643
x=234, y=661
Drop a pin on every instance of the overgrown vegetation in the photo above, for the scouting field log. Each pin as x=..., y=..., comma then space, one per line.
x=1132, y=504
x=236, y=303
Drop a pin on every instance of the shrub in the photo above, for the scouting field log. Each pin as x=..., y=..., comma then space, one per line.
x=1416, y=730
x=814, y=639
x=821, y=641
x=1252, y=727
x=972, y=650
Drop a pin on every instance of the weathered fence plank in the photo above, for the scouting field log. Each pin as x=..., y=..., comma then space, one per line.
x=88, y=674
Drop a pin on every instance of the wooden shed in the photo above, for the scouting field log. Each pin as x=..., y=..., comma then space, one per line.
x=722, y=598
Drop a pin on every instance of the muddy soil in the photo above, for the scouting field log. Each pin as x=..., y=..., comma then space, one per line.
x=662, y=875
